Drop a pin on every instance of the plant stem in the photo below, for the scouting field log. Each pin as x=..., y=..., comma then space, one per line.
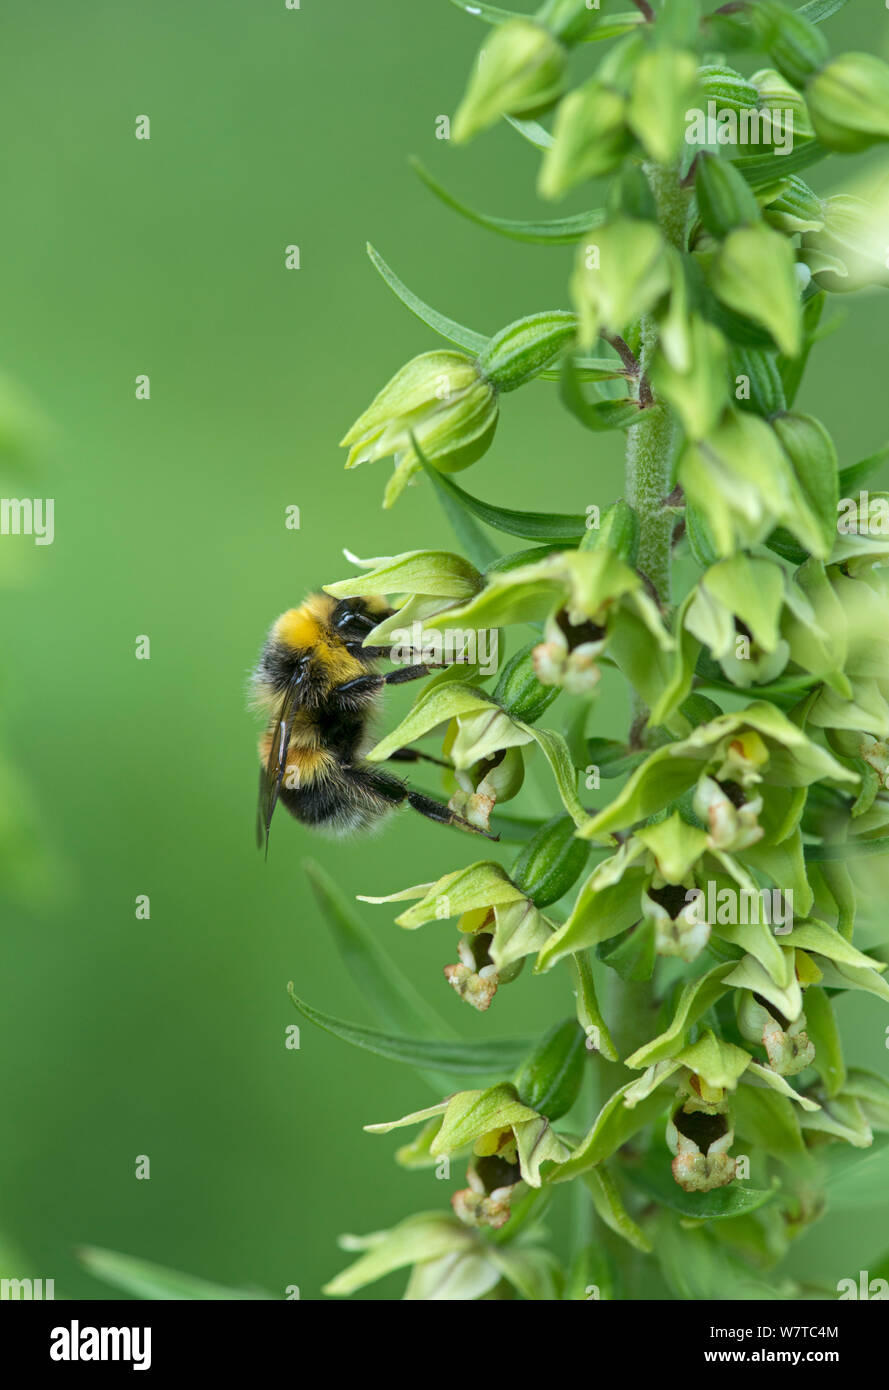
x=650, y=444
x=649, y=463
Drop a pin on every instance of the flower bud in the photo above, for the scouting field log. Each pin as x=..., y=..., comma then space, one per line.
x=760, y=372
x=754, y=274
x=664, y=84
x=443, y=400
x=524, y=348
x=551, y=862
x=618, y=529
x=788, y=113
x=519, y=691
x=796, y=209
x=726, y=87
x=623, y=268
x=549, y=1080
x=590, y=137
x=725, y=198
x=519, y=72
x=849, y=102
x=796, y=47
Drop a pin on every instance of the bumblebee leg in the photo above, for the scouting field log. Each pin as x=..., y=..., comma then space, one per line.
x=407, y=673
x=413, y=755
x=443, y=815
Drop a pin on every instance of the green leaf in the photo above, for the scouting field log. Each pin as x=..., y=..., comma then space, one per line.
x=554, y=748
x=532, y=131
x=597, y=416
x=849, y=849
x=448, y=328
x=146, y=1280
x=483, y=1058
x=858, y=473
x=471, y=538
x=608, y=1203
x=530, y=526
x=697, y=1268
x=613, y=758
x=558, y=231
x=612, y=26
x=855, y=1180
x=655, y=1178
x=427, y=1236
x=532, y=1273
x=613, y=1126
x=489, y=14
x=589, y=1015
x=816, y=11
x=792, y=369
x=389, y=993
x=695, y=999
x=760, y=169
x=771, y=1123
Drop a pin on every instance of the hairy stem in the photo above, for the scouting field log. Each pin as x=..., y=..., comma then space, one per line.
x=650, y=444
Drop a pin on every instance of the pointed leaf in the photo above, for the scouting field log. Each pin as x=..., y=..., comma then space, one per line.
x=559, y=231
x=447, y=328
x=144, y=1279
x=482, y=1058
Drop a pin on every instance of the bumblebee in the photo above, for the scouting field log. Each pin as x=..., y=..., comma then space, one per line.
x=319, y=687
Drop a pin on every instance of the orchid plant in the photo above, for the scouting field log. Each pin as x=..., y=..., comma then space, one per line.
x=709, y=913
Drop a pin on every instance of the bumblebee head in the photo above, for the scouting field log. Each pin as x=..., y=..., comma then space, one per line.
x=353, y=618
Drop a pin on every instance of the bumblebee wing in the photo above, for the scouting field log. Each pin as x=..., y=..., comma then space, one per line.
x=272, y=774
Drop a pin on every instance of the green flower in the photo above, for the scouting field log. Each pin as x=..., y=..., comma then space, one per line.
x=590, y=137
x=700, y=1134
x=584, y=597
x=519, y=72
x=848, y=251
x=755, y=745
x=786, y=1041
x=426, y=583
x=854, y=612
x=490, y=1124
x=486, y=784
x=737, y=610
x=743, y=482
x=448, y=1261
x=499, y=926
x=623, y=269
x=848, y=101
x=443, y=400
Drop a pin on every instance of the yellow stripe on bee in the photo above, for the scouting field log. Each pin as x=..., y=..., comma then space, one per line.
x=305, y=628
x=305, y=766
x=308, y=766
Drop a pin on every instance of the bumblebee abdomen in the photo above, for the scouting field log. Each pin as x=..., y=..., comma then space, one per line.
x=351, y=798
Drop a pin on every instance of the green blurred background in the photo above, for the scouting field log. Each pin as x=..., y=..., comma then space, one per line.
x=121, y=1037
